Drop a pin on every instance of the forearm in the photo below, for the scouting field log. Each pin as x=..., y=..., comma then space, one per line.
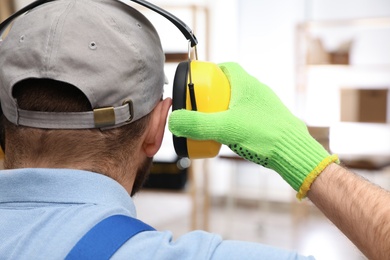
x=358, y=208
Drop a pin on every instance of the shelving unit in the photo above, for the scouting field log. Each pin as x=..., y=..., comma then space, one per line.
x=323, y=69
x=313, y=58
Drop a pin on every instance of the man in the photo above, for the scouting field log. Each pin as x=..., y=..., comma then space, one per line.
x=81, y=85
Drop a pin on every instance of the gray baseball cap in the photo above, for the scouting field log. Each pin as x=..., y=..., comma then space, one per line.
x=107, y=49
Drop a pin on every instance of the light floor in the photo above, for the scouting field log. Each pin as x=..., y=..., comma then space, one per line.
x=299, y=227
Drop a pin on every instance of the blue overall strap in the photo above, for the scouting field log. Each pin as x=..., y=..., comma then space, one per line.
x=106, y=237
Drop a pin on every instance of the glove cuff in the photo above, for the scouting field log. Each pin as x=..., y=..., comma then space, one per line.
x=299, y=159
x=310, y=178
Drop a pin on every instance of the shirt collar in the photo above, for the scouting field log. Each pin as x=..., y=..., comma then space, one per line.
x=36, y=185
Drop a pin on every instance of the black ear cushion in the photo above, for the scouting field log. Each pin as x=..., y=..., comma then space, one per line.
x=179, y=102
x=2, y=130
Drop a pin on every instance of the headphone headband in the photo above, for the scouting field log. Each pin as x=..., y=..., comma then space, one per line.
x=186, y=31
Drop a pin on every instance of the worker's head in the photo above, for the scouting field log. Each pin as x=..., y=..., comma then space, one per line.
x=81, y=86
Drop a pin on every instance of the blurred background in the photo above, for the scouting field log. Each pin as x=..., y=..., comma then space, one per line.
x=329, y=62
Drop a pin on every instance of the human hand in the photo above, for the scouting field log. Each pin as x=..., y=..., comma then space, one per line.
x=258, y=127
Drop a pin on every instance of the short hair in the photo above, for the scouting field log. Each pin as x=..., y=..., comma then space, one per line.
x=103, y=147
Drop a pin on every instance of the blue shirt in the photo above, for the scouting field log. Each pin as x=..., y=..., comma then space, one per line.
x=44, y=212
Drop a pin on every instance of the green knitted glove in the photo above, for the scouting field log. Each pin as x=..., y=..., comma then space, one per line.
x=258, y=127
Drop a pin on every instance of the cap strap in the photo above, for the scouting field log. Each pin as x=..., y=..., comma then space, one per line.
x=99, y=118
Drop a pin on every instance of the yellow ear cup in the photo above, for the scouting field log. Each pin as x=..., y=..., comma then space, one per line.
x=212, y=94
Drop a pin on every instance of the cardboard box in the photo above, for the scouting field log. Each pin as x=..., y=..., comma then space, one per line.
x=363, y=105
x=339, y=58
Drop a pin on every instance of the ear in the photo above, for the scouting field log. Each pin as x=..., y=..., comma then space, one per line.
x=156, y=128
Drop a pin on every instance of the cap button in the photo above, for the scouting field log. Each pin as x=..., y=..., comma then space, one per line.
x=92, y=45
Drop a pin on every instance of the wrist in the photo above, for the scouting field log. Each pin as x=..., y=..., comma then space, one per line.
x=299, y=159
x=312, y=176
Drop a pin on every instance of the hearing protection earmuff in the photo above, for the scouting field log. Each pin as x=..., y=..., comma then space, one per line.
x=198, y=85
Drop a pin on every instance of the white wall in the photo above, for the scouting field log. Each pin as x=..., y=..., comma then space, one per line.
x=347, y=9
